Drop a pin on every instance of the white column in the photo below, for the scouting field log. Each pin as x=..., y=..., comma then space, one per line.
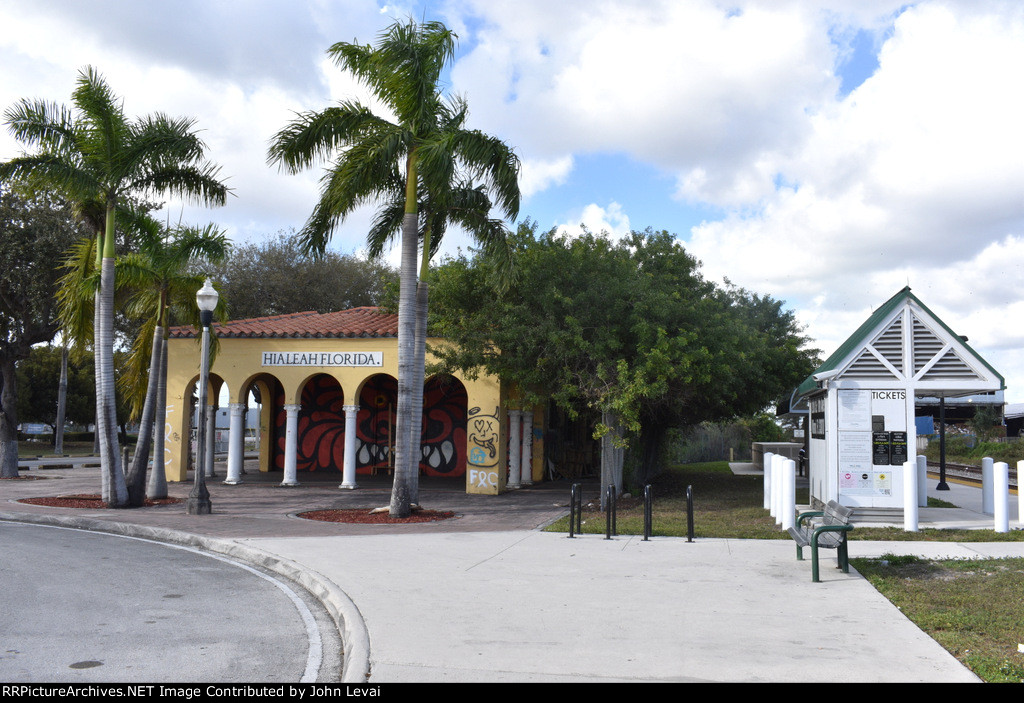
x=348, y=479
x=211, y=436
x=527, y=462
x=986, y=485
x=291, y=445
x=767, y=468
x=910, y=519
x=922, y=480
x=789, y=494
x=514, y=450
x=236, y=445
x=1001, y=496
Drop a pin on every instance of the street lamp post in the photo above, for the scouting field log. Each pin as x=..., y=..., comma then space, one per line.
x=198, y=502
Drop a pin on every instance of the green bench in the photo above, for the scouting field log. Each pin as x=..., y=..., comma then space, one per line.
x=829, y=533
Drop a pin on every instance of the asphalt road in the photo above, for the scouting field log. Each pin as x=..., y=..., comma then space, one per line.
x=84, y=607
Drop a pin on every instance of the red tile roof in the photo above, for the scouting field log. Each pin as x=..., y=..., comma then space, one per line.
x=356, y=322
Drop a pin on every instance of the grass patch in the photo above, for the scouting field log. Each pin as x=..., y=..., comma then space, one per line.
x=896, y=534
x=730, y=506
x=33, y=449
x=974, y=608
x=724, y=505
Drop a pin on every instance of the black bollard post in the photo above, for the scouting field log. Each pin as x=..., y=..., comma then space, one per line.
x=575, y=508
x=648, y=522
x=689, y=513
x=614, y=512
x=609, y=512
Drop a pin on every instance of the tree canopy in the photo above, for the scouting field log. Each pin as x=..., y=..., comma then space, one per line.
x=35, y=230
x=256, y=280
x=628, y=327
x=38, y=386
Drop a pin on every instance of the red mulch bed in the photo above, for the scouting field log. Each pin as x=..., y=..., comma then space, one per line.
x=88, y=500
x=365, y=517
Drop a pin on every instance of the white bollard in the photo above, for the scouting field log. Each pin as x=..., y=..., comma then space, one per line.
x=986, y=485
x=922, y=480
x=1001, y=496
x=767, y=466
x=778, y=461
x=789, y=494
x=1020, y=501
x=910, y=496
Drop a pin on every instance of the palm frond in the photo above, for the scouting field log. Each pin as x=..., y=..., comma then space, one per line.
x=76, y=291
x=198, y=183
x=313, y=137
x=41, y=124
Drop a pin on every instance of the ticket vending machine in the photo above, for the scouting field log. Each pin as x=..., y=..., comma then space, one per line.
x=866, y=434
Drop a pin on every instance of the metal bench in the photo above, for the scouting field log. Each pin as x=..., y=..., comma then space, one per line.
x=830, y=534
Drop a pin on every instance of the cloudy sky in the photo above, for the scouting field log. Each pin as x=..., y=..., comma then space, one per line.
x=827, y=153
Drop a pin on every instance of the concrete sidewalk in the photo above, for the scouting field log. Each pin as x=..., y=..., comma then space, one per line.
x=488, y=597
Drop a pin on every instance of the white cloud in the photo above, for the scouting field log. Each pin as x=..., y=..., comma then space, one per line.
x=541, y=174
x=914, y=178
x=684, y=86
x=611, y=220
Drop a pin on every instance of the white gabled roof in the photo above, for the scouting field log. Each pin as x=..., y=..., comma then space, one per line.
x=904, y=344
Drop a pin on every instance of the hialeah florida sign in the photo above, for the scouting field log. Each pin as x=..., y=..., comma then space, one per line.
x=273, y=358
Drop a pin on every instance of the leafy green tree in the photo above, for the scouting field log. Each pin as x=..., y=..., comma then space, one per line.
x=96, y=157
x=426, y=150
x=986, y=418
x=34, y=232
x=257, y=280
x=763, y=428
x=38, y=384
x=628, y=329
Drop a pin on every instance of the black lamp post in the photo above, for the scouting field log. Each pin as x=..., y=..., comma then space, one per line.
x=198, y=502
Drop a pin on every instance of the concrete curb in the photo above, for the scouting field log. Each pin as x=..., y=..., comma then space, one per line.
x=351, y=627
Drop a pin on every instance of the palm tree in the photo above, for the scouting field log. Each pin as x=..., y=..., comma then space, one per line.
x=461, y=204
x=369, y=154
x=161, y=289
x=96, y=157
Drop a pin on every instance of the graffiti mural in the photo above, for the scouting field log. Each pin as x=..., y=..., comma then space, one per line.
x=483, y=437
x=444, y=427
x=375, y=423
x=321, y=426
x=483, y=448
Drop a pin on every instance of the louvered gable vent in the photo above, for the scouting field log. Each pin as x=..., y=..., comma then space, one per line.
x=935, y=359
x=927, y=346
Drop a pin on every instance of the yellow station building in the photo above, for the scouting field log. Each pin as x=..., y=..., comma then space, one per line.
x=327, y=385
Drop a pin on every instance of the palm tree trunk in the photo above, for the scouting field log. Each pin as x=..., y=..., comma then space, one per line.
x=158, y=477
x=136, y=478
x=405, y=461
x=115, y=493
x=62, y=403
x=419, y=371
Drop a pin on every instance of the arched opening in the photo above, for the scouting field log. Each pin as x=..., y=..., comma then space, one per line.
x=375, y=423
x=320, y=446
x=258, y=418
x=443, y=440
x=192, y=409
